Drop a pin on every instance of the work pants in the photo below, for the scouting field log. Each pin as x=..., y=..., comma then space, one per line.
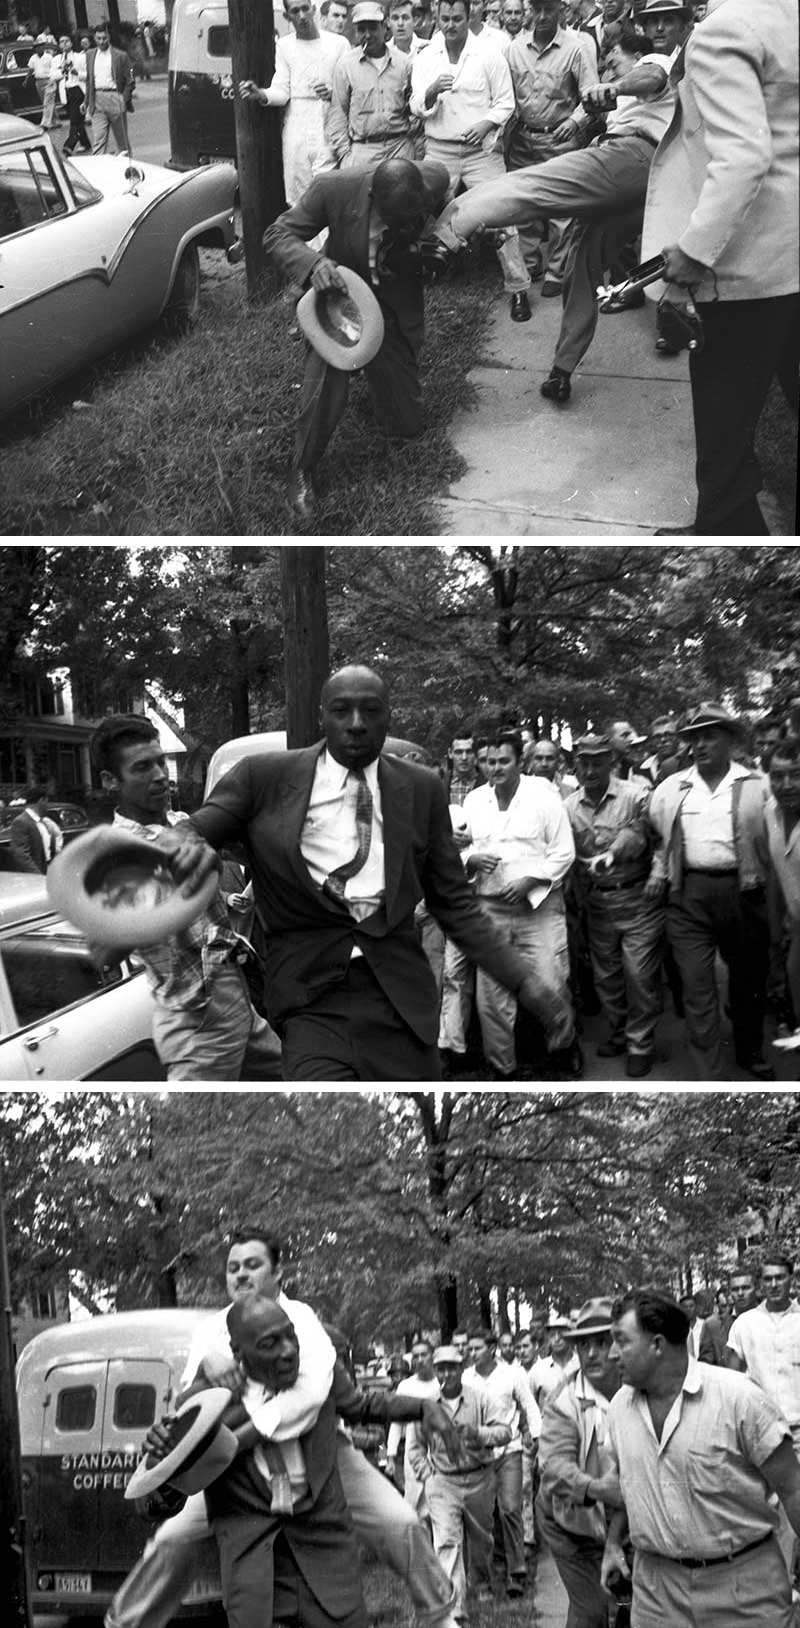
x=224, y=1040
x=470, y=167
x=387, y=1525
x=578, y=1560
x=508, y=1515
x=460, y=1508
x=710, y=914
x=183, y=1550
x=793, y=968
x=528, y=1494
x=367, y=155
x=77, y=128
x=352, y=1032
x=746, y=343
x=534, y=147
x=596, y=244
x=109, y=119
x=458, y=991
x=540, y=937
x=392, y=380
x=626, y=944
x=751, y=1592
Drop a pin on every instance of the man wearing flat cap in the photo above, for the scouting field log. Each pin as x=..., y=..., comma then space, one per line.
x=712, y=855
x=625, y=928
x=574, y=1486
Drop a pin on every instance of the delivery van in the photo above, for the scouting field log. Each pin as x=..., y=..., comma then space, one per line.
x=200, y=83
x=87, y=1394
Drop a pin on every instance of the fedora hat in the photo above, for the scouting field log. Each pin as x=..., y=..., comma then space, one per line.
x=204, y=1447
x=709, y=716
x=594, y=1317
x=119, y=890
x=346, y=330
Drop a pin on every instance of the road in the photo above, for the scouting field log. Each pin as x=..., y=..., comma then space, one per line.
x=148, y=127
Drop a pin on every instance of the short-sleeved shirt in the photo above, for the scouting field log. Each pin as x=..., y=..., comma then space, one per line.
x=699, y=1491
x=648, y=118
x=549, y=82
x=768, y=1343
x=598, y=827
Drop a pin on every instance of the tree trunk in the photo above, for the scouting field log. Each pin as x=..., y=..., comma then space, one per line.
x=258, y=137
x=305, y=640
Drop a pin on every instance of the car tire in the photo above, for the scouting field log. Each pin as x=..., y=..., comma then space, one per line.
x=183, y=306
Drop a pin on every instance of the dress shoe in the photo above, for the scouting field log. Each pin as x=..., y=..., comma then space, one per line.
x=638, y=1064
x=632, y=300
x=612, y=1048
x=756, y=1066
x=515, y=1587
x=568, y=1062
x=520, y=307
x=301, y=495
x=557, y=387
x=550, y=289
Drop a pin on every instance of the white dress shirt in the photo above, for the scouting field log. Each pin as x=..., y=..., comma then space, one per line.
x=330, y=836
x=481, y=89
x=533, y=837
x=707, y=822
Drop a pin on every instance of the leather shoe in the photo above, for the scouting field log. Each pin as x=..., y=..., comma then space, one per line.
x=301, y=495
x=568, y=1062
x=611, y=1048
x=638, y=1064
x=520, y=307
x=757, y=1067
x=550, y=289
x=557, y=387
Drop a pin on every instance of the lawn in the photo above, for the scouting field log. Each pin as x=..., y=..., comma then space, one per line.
x=192, y=436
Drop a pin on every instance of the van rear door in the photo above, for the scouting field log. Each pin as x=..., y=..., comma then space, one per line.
x=138, y=1391
x=200, y=87
x=65, y=1527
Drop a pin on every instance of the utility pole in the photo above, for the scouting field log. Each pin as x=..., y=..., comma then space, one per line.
x=258, y=137
x=12, y=1523
x=305, y=640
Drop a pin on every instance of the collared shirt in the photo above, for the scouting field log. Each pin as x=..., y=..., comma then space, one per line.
x=180, y=971
x=470, y=1408
x=370, y=98
x=545, y=1375
x=768, y=1343
x=549, y=80
x=482, y=88
x=651, y=117
x=507, y=1386
x=302, y=64
x=459, y=789
x=707, y=821
x=330, y=836
x=571, y=1450
x=694, y=1336
x=47, y=834
x=618, y=821
x=532, y=836
x=785, y=855
x=290, y=1413
x=104, y=70
x=255, y=1398
x=698, y=1492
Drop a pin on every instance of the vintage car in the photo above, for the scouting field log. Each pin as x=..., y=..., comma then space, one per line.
x=71, y=818
x=17, y=84
x=94, y=249
x=62, y=1017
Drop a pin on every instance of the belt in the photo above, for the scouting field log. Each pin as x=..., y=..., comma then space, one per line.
x=692, y=1564
x=387, y=135
x=616, y=887
x=624, y=135
x=700, y=870
x=539, y=129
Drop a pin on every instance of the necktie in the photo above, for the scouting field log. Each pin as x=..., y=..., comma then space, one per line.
x=279, y=1479
x=335, y=883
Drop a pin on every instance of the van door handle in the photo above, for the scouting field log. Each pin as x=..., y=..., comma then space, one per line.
x=183, y=90
x=34, y=1040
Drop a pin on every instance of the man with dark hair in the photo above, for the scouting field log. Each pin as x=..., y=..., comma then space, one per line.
x=33, y=838
x=765, y=1344
x=364, y=213
x=342, y=844
x=205, y=1026
x=520, y=851
x=697, y=1451
x=505, y=1384
x=110, y=84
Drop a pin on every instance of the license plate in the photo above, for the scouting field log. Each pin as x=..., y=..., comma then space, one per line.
x=73, y=1582
x=203, y=1588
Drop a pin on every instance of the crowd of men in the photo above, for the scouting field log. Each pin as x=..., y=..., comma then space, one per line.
x=660, y=1469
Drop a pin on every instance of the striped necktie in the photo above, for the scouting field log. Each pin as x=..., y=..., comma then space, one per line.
x=335, y=883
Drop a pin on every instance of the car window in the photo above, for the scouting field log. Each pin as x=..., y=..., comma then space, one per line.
x=29, y=191
x=49, y=969
x=134, y=1406
x=82, y=190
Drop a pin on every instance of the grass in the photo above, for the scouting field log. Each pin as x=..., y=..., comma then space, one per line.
x=389, y=1604
x=192, y=437
x=776, y=445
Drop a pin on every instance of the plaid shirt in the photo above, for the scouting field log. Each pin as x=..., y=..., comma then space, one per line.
x=180, y=971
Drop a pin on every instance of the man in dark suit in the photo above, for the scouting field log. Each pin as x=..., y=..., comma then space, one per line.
x=361, y=211
x=33, y=839
x=342, y=843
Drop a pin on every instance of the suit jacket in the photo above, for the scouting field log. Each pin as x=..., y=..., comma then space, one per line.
x=122, y=70
x=723, y=183
x=341, y=205
x=26, y=843
x=262, y=803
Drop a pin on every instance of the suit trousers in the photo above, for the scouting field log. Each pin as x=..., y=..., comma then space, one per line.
x=626, y=944
x=461, y=1513
x=746, y=343
x=108, y=119
x=353, y=1032
x=305, y=1566
x=596, y=245
x=470, y=166
x=751, y=1592
x=387, y=1524
x=77, y=128
x=540, y=937
x=578, y=1560
x=711, y=915
x=394, y=386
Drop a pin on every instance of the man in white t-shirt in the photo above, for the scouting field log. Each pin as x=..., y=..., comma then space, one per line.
x=422, y=1382
x=765, y=1344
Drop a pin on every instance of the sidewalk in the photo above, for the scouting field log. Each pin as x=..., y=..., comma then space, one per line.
x=617, y=460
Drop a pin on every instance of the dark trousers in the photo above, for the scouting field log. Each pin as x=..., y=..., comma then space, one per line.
x=710, y=914
x=77, y=129
x=747, y=342
x=578, y=1560
x=353, y=1032
x=394, y=386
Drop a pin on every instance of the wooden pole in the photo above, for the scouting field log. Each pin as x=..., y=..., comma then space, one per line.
x=258, y=137
x=305, y=639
